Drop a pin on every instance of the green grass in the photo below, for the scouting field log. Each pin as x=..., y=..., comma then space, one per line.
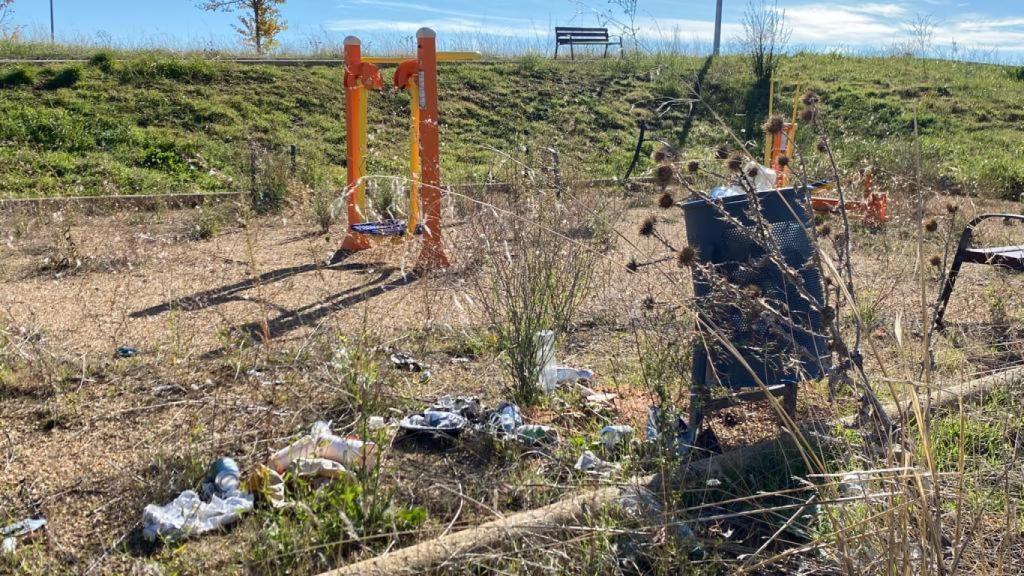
x=154, y=122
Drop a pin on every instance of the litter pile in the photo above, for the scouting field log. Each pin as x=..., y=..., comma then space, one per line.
x=189, y=514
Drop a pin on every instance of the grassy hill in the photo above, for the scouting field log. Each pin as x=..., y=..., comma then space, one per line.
x=133, y=123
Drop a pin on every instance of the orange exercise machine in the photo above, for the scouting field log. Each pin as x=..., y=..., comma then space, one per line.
x=419, y=77
x=874, y=205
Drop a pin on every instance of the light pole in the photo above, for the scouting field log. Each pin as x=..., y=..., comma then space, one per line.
x=52, y=39
x=718, y=26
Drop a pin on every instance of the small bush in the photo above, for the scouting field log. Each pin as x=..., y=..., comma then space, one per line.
x=103, y=60
x=269, y=177
x=163, y=157
x=20, y=76
x=66, y=78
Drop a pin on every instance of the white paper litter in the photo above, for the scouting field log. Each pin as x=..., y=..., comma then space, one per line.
x=187, y=515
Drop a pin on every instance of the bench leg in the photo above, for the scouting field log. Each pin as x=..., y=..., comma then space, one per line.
x=605, y=51
x=572, y=53
x=556, y=51
x=947, y=289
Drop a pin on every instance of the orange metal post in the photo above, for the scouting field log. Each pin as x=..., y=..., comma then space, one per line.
x=355, y=92
x=432, y=254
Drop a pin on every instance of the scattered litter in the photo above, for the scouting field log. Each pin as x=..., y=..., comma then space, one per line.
x=318, y=468
x=506, y=419
x=322, y=443
x=589, y=462
x=225, y=476
x=187, y=515
x=376, y=423
x=548, y=373
x=432, y=421
x=682, y=440
x=19, y=529
x=268, y=485
x=612, y=436
x=598, y=401
x=406, y=362
x=466, y=406
x=535, y=434
x=126, y=352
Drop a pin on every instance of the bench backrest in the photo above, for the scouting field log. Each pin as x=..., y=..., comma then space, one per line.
x=569, y=34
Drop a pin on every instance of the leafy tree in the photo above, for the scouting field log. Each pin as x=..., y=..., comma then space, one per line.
x=260, y=20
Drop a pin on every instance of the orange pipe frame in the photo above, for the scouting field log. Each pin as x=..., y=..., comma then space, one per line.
x=420, y=76
x=874, y=205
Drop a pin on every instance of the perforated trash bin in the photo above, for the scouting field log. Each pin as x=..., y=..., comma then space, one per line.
x=736, y=255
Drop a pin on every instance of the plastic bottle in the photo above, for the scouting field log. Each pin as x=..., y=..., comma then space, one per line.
x=548, y=374
x=225, y=474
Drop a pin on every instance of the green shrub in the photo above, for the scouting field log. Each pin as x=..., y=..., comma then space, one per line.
x=20, y=76
x=65, y=78
x=164, y=157
x=103, y=60
x=1017, y=73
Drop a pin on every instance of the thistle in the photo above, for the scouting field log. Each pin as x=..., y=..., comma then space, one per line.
x=931, y=224
x=687, y=256
x=735, y=163
x=775, y=124
x=663, y=175
x=692, y=166
x=935, y=260
x=782, y=161
x=666, y=201
x=647, y=226
x=722, y=152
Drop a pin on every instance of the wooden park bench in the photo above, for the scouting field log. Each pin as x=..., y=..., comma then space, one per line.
x=584, y=37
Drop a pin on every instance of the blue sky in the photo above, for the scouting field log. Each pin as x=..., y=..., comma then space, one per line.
x=985, y=25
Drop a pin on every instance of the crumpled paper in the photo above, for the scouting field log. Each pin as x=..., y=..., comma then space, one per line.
x=188, y=515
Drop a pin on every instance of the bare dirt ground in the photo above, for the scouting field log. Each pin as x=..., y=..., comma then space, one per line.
x=89, y=438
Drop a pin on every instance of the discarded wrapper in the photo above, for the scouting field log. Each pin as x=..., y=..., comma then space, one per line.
x=321, y=443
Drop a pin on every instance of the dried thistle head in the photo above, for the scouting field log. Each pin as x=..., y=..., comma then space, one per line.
x=810, y=98
x=648, y=225
x=775, y=124
x=632, y=265
x=752, y=170
x=687, y=256
x=931, y=224
x=935, y=260
x=951, y=208
x=808, y=115
x=663, y=175
x=822, y=146
x=752, y=291
x=782, y=161
x=692, y=166
x=666, y=201
x=663, y=153
x=722, y=152
x=824, y=230
x=735, y=163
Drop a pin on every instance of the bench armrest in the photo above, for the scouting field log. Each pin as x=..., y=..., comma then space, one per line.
x=968, y=233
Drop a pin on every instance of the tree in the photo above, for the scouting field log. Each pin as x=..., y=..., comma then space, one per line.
x=6, y=12
x=260, y=20
x=765, y=35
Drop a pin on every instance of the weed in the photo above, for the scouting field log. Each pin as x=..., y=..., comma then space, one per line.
x=65, y=78
x=104, y=60
x=19, y=76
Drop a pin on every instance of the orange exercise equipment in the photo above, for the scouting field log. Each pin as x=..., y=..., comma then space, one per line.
x=419, y=77
x=874, y=205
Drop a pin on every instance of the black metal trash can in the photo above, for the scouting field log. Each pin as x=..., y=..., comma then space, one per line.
x=736, y=255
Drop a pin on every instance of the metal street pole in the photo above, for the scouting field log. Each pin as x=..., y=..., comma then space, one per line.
x=52, y=39
x=718, y=26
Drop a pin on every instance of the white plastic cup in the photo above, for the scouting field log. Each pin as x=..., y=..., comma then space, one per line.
x=548, y=367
